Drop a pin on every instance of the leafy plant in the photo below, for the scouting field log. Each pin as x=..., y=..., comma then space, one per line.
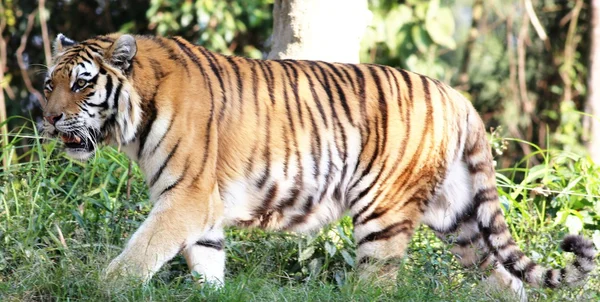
x=411, y=35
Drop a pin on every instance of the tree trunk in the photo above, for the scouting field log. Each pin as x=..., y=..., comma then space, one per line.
x=328, y=30
x=593, y=98
x=3, y=123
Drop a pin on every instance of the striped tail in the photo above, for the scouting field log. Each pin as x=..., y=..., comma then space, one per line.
x=495, y=231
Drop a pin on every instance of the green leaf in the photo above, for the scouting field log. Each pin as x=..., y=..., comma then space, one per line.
x=440, y=27
x=330, y=248
x=348, y=258
x=420, y=38
x=574, y=224
x=314, y=266
x=596, y=239
x=342, y=235
x=306, y=253
x=421, y=10
x=561, y=217
x=432, y=10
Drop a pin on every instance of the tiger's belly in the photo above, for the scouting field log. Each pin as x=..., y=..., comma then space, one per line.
x=302, y=196
x=284, y=204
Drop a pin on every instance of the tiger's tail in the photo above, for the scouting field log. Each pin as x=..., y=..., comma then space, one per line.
x=495, y=232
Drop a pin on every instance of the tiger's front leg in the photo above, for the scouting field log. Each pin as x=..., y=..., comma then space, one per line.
x=175, y=223
x=206, y=256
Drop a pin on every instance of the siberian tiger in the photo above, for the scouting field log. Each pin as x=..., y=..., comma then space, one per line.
x=286, y=145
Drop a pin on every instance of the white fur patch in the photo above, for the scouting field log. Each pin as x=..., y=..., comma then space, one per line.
x=452, y=200
x=207, y=261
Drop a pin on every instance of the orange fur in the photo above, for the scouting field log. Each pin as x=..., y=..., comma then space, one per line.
x=289, y=145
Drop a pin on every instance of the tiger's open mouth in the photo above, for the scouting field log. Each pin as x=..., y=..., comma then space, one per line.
x=71, y=140
x=76, y=143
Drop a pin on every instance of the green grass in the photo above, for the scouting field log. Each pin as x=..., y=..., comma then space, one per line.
x=62, y=221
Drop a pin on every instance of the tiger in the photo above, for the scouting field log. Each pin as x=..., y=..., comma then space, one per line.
x=287, y=145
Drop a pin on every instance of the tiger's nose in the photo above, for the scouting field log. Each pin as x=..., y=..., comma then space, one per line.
x=52, y=119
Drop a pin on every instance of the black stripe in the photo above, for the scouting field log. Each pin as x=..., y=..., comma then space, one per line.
x=162, y=138
x=196, y=61
x=335, y=120
x=367, y=169
x=285, y=79
x=293, y=81
x=316, y=147
x=156, y=69
x=254, y=89
x=366, y=260
x=266, y=154
x=315, y=96
x=117, y=96
x=216, y=69
x=362, y=96
x=172, y=55
x=213, y=244
x=269, y=79
x=302, y=217
x=549, y=279
x=508, y=243
x=179, y=179
x=408, y=83
x=463, y=242
x=164, y=164
x=239, y=83
x=494, y=228
x=388, y=232
x=109, y=91
x=382, y=107
x=484, y=195
x=151, y=112
x=314, y=66
x=510, y=262
x=104, y=39
x=529, y=268
x=264, y=210
x=291, y=200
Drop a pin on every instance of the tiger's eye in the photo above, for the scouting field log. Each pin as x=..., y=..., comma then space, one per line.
x=81, y=82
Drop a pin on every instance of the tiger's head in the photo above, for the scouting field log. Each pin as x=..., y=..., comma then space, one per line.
x=89, y=93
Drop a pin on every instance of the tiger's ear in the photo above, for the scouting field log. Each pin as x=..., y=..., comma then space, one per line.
x=122, y=52
x=61, y=43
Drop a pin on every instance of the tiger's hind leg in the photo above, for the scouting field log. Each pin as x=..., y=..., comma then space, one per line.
x=383, y=232
x=206, y=257
x=452, y=215
x=471, y=251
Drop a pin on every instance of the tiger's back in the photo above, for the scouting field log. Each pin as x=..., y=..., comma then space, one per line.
x=319, y=137
x=293, y=145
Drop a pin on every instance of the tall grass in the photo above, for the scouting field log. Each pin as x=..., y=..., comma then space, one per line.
x=61, y=221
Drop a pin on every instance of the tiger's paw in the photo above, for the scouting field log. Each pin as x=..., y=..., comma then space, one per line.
x=208, y=281
x=123, y=267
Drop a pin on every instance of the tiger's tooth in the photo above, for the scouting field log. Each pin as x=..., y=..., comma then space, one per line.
x=77, y=139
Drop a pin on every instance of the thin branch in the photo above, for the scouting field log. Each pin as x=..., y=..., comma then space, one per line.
x=47, y=51
x=569, y=54
x=512, y=64
x=19, y=53
x=61, y=237
x=129, y=177
x=477, y=13
x=526, y=105
x=521, y=61
x=539, y=29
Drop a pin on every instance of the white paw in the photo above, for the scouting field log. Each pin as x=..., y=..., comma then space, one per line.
x=127, y=267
